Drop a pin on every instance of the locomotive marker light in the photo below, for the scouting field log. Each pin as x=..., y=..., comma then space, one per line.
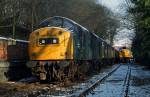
x=55, y=41
x=43, y=41
x=78, y=45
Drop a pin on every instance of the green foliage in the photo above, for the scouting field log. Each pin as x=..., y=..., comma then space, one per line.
x=141, y=43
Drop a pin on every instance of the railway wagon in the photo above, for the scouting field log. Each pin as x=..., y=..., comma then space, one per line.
x=13, y=50
x=116, y=54
x=60, y=48
x=13, y=55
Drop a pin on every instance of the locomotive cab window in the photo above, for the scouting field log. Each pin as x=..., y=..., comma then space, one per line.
x=46, y=41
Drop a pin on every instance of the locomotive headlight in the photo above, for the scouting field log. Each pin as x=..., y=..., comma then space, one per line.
x=55, y=41
x=43, y=41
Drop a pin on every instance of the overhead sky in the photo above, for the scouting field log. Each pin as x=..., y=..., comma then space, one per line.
x=123, y=36
x=112, y=4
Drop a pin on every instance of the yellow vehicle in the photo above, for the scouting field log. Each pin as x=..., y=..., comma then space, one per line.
x=61, y=47
x=125, y=55
x=51, y=47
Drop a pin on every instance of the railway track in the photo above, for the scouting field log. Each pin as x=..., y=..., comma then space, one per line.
x=127, y=82
x=99, y=84
x=88, y=90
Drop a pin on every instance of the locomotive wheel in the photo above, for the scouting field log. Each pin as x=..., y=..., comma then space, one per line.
x=42, y=71
x=55, y=73
x=72, y=70
x=59, y=75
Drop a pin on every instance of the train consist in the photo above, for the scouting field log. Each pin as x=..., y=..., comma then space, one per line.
x=125, y=55
x=60, y=48
x=13, y=54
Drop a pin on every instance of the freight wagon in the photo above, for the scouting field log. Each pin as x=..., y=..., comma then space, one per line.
x=13, y=57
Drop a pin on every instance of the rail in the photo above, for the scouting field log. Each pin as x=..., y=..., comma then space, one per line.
x=85, y=92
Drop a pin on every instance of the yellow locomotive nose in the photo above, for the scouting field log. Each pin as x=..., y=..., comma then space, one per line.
x=51, y=43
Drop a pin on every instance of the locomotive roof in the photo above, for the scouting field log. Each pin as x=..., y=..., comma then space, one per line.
x=71, y=21
x=63, y=19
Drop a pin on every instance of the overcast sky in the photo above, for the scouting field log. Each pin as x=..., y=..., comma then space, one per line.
x=123, y=36
x=112, y=4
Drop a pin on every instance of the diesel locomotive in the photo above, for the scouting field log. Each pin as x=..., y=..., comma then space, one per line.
x=125, y=55
x=60, y=48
